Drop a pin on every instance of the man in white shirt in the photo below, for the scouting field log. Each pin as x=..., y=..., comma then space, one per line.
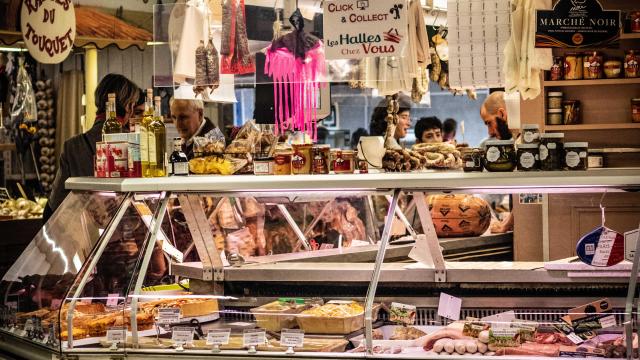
x=188, y=116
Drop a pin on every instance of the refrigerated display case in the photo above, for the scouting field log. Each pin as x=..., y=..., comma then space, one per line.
x=290, y=266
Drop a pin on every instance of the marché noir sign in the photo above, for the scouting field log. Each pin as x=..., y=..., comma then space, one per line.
x=577, y=24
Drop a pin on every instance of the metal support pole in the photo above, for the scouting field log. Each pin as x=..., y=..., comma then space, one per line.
x=150, y=242
x=373, y=285
x=628, y=311
x=296, y=229
x=372, y=220
x=430, y=237
x=102, y=244
x=404, y=219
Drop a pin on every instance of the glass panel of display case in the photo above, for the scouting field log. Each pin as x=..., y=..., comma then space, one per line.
x=266, y=302
x=36, y=285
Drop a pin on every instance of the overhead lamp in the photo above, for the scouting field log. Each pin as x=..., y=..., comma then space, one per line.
x=12, y=49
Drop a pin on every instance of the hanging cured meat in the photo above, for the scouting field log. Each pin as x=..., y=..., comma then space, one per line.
x=236, y=57
x=296, y=63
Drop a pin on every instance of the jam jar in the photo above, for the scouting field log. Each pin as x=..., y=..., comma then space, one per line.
x=554, y=116
x=612, y=68
x=551, y=150
x=301, y=159
x=282, y=162
x=500, y=155
x=571, y=112
x=635, y=110
x=557, y=70
x=573, y=66
x=528, y=159
x=320, y=162
x=575, y=155
x=631, y=64
x=530, y=133
x=342, y=161
x=472, y=159
x=593, y=65
x=554, y=100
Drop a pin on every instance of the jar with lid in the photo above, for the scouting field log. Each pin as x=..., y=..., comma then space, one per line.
x=573, y=66
x=282, y=162
x=635, y=110
x=554, y=100
x=500, y=155
x=551, y=150
x=320, y=163
x=571, y=112
x=612, y=68
x=301, y=159
x=593, y=63
x=557, y=70
x=530, y=133
x=554, y=117
x=575, y=155
x=635, y=21
x=631, y=64
x=528, y=157
x=342, y=161
x=472, y=159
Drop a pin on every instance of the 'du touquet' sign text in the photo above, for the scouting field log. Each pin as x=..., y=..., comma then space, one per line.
x=577, y=24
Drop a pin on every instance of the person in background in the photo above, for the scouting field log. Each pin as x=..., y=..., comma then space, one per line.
x=378, y=125
x=494, y=114
x=77, y=153
x=449, y=128
x=428, y=130
x=188, y=116
x=355, y=137
x=323, y=135
x=138, y=112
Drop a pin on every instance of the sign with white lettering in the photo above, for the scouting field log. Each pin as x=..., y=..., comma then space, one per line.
x=116, y=335
x=577, y=24
x=253, y=337
x=168, y=315
x=355, y=29
x=218, y=336
x=182, y=335
x=48, y=29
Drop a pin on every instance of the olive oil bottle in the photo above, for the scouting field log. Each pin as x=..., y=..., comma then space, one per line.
x=111, y=124
x=147, y=118
x=157, y=143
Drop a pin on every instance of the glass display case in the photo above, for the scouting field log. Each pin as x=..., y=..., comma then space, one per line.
x=288, y=266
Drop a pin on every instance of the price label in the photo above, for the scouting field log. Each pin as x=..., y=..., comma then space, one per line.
x=449, y=306
x=168, y=315
x=608, y=321
x=575, y=338
x=402, y=313
x=292, y=338
x=218, y=336
x=182, y=334
x=253, y=337
x=116, y=335
x=112, y=300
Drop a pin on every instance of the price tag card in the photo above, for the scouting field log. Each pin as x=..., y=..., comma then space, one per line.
x=575, y=338
x=116, y=335
x=608, y=321
x=168, y=315
x=402, y=313
x=253, y=337
x=449, y=306
x=112, y=300
x=218, y=336
x=292, y=338
x=501, y=320
x=182, y=334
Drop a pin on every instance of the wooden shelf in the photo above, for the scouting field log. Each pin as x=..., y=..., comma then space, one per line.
x=621, y=81
x=629, y=36
x=592, y=127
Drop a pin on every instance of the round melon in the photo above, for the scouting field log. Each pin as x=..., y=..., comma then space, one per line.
x=457, y=215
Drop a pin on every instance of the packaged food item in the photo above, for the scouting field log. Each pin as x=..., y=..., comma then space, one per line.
x=473, y=327
x=551, y=150
x=334, y=317
x=472, y=159
x=279, y=314
x=320, y=163
x=595, y=161
x=554, y=116
x=593, y=65
x=635, y=21
x=528, y=157
x=571, y=112
x=342, y=161
x=301, y=159
x=500, y=155
x=263, y=166
x=530, y=133
x=554, y=100
x=635, y=110
x=221, y=165
x=282, y=161
x=575, y=155
x=572, y=66
x=557, y=70
x=212, y=143
x=363, y=166
x=631, y=64
x=117, y=159
x=503, y=337
x=612, y=68
x=134, y=162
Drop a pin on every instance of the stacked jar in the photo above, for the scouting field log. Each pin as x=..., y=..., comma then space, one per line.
x=528, y=158
x=554, y=108
x=551, y=150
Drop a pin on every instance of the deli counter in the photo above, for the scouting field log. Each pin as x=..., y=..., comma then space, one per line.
x=304, y=266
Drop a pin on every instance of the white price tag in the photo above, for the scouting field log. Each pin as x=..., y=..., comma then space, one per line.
x=112, y=300
x=218, y=336
x=575, y=338
x=182, y=335
x=168, y=315
x=608, y=321
x=292, y=338
x=501, y=320
x=116, y=335
x=449, y=306
x=630, y=241
x=253, y=337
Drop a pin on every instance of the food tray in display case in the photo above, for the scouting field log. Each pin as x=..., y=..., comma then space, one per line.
x=279, y=314
x=334, y=318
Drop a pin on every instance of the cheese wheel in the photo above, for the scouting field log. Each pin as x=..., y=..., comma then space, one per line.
x=459, y=215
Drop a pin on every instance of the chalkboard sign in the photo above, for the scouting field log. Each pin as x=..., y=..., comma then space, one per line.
x=577, y=24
